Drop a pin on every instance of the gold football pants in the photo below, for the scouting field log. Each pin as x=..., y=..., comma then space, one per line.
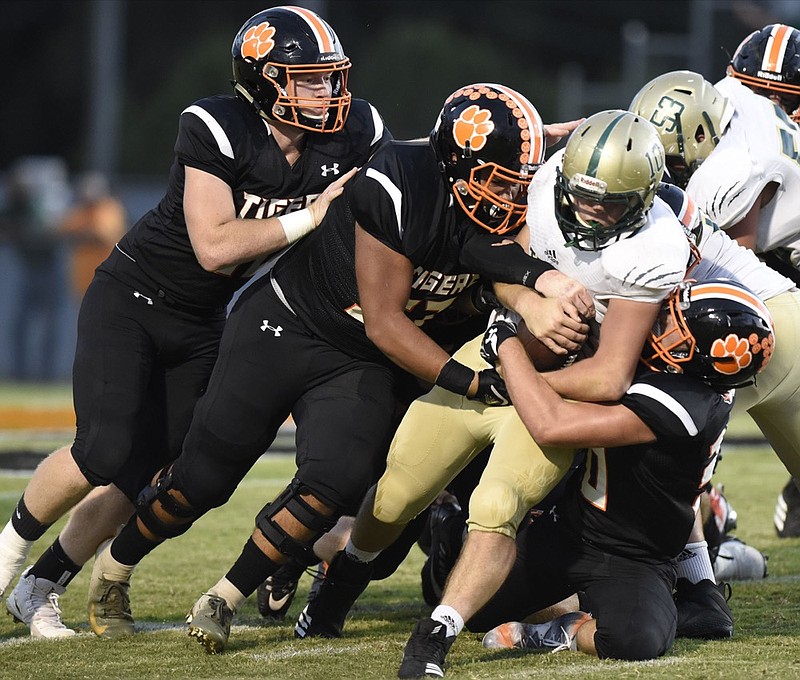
x=441, y=433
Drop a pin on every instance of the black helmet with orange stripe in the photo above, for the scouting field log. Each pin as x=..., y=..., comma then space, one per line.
x=769, y=60
x=716, y=330
x=280, y=47
x=489, y=140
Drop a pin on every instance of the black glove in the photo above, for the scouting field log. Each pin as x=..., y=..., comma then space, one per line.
x=502, y=326
x=491, y=388
x=483, y=298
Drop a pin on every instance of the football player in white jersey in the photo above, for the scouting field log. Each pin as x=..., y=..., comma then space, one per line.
x=732, y=153
x=748, y=185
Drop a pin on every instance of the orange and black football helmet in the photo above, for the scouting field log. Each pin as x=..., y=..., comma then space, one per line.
x=489, y=140
x=276, y=47
x=716, y=330
x=769, y=60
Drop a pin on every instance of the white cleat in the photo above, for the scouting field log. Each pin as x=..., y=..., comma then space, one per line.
x=34, y=602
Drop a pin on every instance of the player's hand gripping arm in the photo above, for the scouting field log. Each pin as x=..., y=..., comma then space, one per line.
x=220, y=239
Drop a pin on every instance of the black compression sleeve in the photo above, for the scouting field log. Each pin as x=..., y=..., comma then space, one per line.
x=506, y=264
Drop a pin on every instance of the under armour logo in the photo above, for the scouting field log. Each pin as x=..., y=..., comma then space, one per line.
x=326, y=170
x=550, y=256
x=137, y=294
x=275, y=329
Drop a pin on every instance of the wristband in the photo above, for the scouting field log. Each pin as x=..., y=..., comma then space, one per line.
x=297, y=224
x=455, y=377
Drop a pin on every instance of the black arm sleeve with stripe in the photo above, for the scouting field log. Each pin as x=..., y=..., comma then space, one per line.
x=507, y=263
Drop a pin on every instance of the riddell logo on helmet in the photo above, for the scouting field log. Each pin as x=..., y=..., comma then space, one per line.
x=257, y=42
x=768, y=75
x=473, y=127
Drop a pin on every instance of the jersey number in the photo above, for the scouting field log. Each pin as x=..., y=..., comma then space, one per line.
x=595, y=480
x=789, y=133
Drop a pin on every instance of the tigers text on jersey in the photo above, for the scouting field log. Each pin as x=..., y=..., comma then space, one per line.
x=224, y=136
x=722, y=256
x=400, y=198
x=643, y=267
x=762, y=145
x=637, y=501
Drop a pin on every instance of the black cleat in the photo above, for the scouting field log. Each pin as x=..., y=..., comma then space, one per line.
x=703, y=610
x=447, y=526
x=275, y=595
x=426, y=650
x=787, y=511
x=324, y=615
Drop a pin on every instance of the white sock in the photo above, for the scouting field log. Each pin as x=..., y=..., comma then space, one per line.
x=694, y=564
x=359, y=555
x=13, y=552
x=450, y=618
x=228, y=592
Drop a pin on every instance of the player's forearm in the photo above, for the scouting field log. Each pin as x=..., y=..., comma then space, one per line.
x=588, y=380
x=238, y=241
x=538, y=405
x=406, y=345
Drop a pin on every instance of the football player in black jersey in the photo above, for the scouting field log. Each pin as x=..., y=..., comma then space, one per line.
x=254, y=172
x=330, y=336
x=649, y=456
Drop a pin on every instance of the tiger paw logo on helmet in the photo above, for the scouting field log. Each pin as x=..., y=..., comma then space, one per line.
x=473, y=127
x=741, y=350
x=257, y=41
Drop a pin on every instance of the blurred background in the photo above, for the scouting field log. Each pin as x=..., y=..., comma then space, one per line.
x=92, y=91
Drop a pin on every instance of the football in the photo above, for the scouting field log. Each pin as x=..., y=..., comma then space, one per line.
x=542, y=357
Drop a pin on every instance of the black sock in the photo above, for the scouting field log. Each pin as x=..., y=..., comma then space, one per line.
x=130, y=546
x=251, y=569
x=25, y=524
x=55, y=565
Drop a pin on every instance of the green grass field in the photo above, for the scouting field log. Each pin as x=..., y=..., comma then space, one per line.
x=766, y=643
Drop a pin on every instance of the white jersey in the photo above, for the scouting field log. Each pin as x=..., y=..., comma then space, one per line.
x=762, y=145
x=722, y=256
x=644, y=267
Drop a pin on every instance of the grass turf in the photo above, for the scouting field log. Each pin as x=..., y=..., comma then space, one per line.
x=766, y=643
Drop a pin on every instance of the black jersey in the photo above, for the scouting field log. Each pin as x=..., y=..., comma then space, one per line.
x=223, y=135
x=637, y=501
x=400, y=198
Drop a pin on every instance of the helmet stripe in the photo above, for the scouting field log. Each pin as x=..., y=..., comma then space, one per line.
x=775, y=48
x=722, y=290
x=597, y=153
x=688, y=211
x=322, y=32
x=533, y=119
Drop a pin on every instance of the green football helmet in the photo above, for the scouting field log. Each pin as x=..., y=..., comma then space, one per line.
x=613, y=161
x=689, y=114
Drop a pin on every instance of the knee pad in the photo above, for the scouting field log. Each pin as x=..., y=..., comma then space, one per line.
x=311, y=518
x=397, y=500
x=496, y=507
x=181, y=516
